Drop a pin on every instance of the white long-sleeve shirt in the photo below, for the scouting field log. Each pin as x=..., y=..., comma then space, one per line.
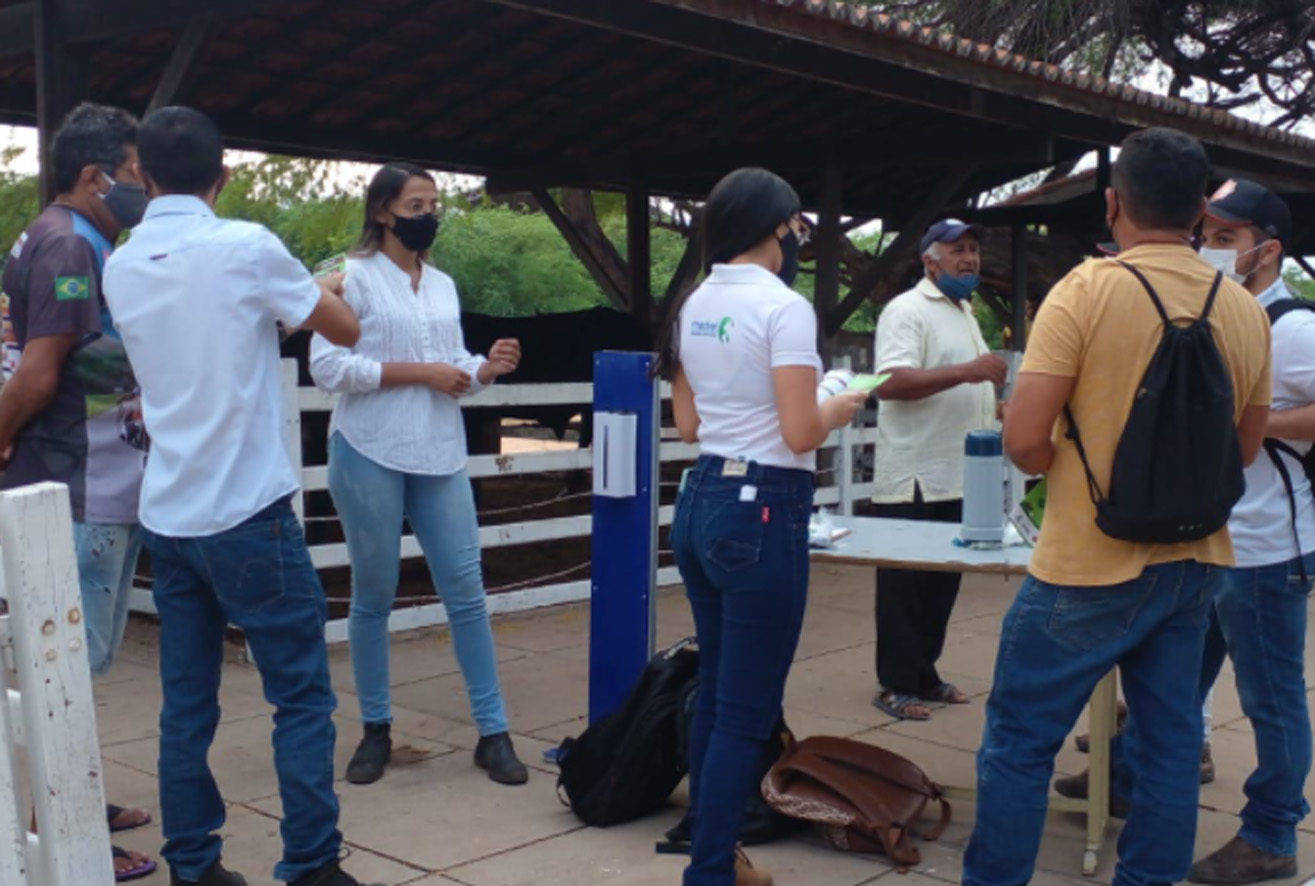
x=414, y=428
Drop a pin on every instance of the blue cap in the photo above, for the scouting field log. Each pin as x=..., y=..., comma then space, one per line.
x=983, y=443
x=947, y=230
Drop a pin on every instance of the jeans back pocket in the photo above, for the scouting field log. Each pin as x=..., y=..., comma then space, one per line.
x=733, y=533
x=1085, y=618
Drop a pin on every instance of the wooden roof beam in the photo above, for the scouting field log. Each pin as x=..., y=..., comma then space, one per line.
x=180, y=73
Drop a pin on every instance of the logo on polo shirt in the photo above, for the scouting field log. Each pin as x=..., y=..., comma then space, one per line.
x=718, y=329
x=72, y=289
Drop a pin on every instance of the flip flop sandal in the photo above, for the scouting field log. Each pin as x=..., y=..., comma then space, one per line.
x=897, y=705
x=144, y=869
x=946, y=693
x=112, y=812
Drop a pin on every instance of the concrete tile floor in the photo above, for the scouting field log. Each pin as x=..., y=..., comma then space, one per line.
x=434, y=820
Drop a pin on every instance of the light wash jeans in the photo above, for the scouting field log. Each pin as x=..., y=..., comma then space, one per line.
x=371, y=501
x=107, y=560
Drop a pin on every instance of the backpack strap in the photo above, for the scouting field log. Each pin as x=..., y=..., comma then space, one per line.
x=1276, y=449
x=1278, y=309
x=1072, y=434
x=1159, y=305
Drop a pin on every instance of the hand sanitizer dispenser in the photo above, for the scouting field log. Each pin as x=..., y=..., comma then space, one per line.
x=616, y=454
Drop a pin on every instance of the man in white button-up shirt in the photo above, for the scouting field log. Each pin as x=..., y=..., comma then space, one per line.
x=941, y=386
x=196, y=299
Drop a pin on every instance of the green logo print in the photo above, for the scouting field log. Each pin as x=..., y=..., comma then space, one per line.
x=724, y=329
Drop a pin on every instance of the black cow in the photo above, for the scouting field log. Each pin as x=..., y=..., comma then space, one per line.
x=555, y=348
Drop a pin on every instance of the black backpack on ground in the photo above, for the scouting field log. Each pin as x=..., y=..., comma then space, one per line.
x=1178, y=466
x=626, y=765
x=1276, y=449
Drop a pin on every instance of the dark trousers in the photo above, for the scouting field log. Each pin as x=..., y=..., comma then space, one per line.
x=745, y=567
x=913, y=608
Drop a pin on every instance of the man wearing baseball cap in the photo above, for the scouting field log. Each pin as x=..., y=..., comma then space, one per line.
x=1260, y=607
x=942, y=385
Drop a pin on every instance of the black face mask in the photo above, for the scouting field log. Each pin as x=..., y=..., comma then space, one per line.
x=416, y=232
x=127, y=203
x=789, y=244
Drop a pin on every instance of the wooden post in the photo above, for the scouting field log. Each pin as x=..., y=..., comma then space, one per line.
x=639, y=250
x=61, y=76
x=1018, y=253
x=54, y=677
x=185, y=62
x=1102, y=169
x=826, y=285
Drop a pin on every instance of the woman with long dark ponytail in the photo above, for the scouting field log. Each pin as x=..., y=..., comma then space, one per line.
x=741, y=354
x=397, y=448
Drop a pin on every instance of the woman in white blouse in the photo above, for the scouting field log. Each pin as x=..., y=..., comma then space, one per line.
x=397, y=448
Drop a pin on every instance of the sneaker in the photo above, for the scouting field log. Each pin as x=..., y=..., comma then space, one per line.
x=1207, y=764
x=1075, y=788
x=216, y=876
x=1239, y=862
x=495, y=753
x=372, y=754
x=746, y=874
x=330, y=875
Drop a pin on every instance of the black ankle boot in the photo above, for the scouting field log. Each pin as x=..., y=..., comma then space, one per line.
x=372, y=754
x=495, y=753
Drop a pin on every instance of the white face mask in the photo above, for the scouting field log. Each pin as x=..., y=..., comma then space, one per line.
x=1225, y=261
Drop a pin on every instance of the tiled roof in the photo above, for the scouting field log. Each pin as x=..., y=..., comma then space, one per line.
x=988, y=56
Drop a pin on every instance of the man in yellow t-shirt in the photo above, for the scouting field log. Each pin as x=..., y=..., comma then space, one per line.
x=1090, y=601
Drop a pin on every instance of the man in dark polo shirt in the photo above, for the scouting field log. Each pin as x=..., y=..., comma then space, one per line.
x=70, y=411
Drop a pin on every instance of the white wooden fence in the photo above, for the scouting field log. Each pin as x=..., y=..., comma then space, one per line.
x=301, y=400
x=837, y=490
x=50, y=710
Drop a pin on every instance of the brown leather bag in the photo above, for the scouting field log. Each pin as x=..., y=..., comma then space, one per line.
x=862, y=798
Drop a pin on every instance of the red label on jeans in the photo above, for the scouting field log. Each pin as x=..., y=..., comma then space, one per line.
x=767, y=514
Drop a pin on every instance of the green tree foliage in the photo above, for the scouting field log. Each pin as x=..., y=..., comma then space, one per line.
x=18, y=201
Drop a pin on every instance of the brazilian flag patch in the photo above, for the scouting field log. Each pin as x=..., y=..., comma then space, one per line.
x=72, y=289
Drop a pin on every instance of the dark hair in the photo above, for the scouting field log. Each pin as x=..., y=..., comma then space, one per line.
x=744, y=208
x=91, y=135
x=181, y=150
x=385, y=187
x=1160, y=178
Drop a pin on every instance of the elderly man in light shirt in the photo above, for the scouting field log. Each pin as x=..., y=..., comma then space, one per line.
x=942, y=384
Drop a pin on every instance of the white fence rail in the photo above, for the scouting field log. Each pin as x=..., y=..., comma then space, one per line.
x=837, y=490
x=50, y=711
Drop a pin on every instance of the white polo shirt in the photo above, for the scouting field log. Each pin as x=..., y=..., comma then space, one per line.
x=1261, y=522
x=737, y=327
x=196, y=298
x=921, y=441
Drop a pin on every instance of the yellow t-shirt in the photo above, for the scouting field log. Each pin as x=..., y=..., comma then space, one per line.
x=1099, y=326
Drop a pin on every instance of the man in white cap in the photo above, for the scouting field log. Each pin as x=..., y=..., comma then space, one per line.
x=942, y=384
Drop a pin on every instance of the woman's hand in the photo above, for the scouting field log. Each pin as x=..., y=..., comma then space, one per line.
x=839, y=410
x=504, y=357
x=448, y=379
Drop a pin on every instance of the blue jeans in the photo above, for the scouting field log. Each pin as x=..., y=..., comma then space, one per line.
x=1261, y=618
x=257, y=576
x=1057, y=643
x=745, y=568
x=107, y=561
x=371, y=501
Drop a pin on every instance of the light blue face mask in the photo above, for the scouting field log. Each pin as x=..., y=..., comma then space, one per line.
x=958, y=288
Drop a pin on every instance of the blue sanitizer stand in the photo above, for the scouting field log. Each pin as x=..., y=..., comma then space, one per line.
x=627, y=425
x=625, y=526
